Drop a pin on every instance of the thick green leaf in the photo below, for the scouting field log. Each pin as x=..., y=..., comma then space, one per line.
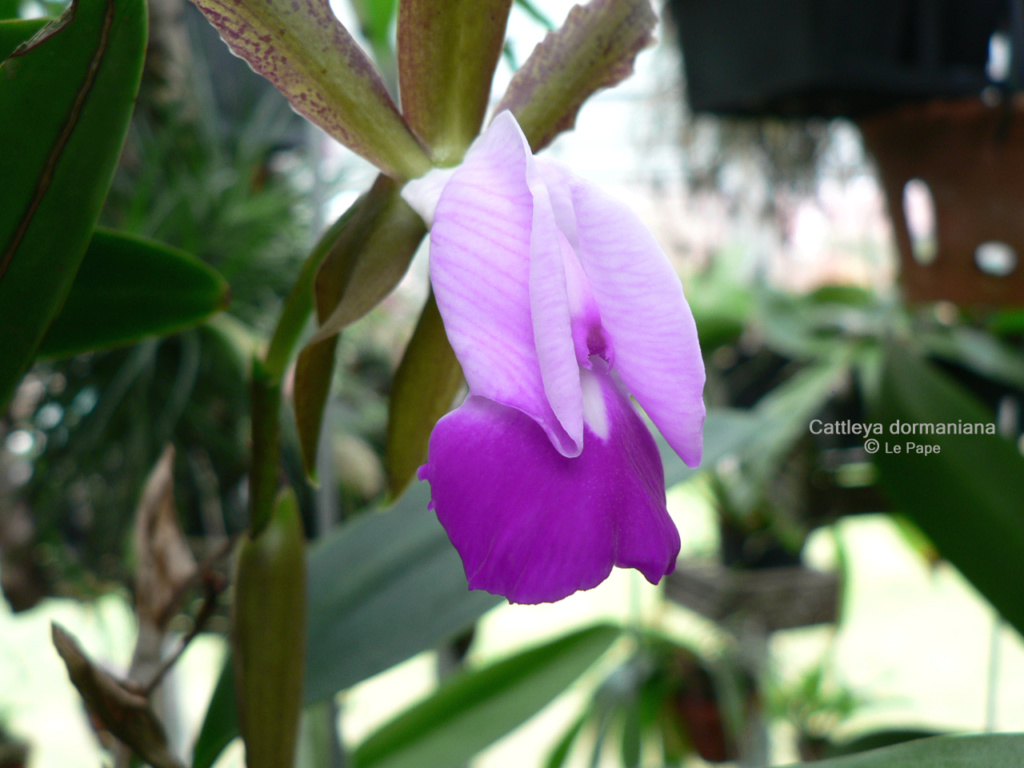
x=365, y=263
x=428, y=379
x=14, y=32
x=302, y=48
x=386, y=587
x=381, y=589
x=474, y=709
x=268, y=630
x=989, y=751
x=594, y=49
x=447, y=52
x=128, y=288
x=966, y=494
x=65, y=101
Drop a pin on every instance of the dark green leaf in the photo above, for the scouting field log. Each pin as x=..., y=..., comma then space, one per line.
x=128, y=288
x=560, y=752
x=447, y=52
x=989, y=751
x=66, y=100
x=474, y=709
x=302, y=48
x=9, y=10
x=14, y=32
x=427, y=380
x=965, y=495
x=877, y=740
x=594, y=49
x=381, y=589
x=632, y=737
x=220, y=726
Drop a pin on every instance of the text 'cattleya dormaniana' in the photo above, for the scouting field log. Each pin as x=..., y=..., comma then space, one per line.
x=559, y=304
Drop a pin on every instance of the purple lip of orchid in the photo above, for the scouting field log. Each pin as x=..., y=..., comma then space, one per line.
x=558, y=303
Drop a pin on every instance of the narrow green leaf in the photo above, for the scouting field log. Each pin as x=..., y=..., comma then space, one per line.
x=302, y=48
x=367, y=260
x=594, y=49
x=268, y=634
x=428, y=379
x=314, y=371
x=14, y=32
x=536, y=14
x=560, y=753
x=128, y=288
x=980, y=351
x=966, y=493
x=632, y=735
x=989, y=751
x=475, y=708
x=380, y=590
x=220, y=726
x=447, y=52
x=66, y=99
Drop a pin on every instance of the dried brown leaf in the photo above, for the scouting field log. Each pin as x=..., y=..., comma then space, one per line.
x=121, y=707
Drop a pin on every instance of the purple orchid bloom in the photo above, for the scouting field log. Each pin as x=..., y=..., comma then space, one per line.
x=558, y=303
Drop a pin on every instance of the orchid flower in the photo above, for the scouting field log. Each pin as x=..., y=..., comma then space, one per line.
x=558, y=304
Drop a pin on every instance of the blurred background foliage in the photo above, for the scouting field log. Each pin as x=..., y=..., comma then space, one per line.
x=217, y=164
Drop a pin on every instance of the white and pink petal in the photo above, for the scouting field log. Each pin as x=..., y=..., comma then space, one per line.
x=644, y=316
x=480, y=247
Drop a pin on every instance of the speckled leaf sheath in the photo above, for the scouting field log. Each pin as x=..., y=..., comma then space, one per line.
x=558, y=303
x=302, y=48
x=594, y=49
